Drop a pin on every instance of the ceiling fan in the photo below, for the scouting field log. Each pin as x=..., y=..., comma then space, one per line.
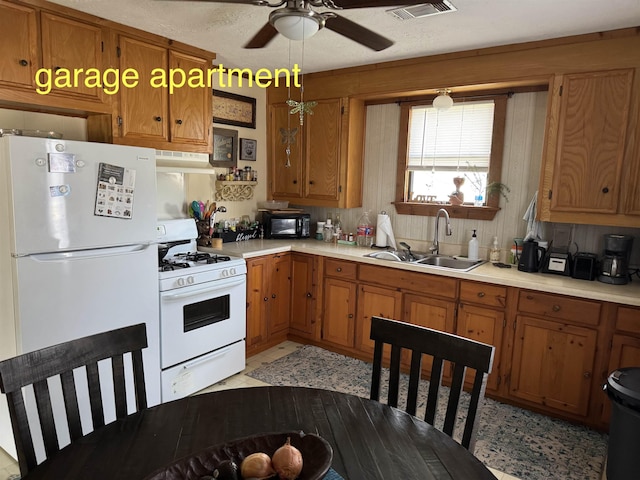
x=298, y=20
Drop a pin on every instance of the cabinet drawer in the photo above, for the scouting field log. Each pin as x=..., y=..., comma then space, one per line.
x=563, y=308
x=412, y=281
x=483, y=294
x=340, y=269
x=628, y=319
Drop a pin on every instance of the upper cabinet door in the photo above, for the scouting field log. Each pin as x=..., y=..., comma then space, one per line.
x=72, y=45
x=18, y=45
x=143, y=109
x=594, y=112
x=191, y=117
x=286, y=132
x=322, y=145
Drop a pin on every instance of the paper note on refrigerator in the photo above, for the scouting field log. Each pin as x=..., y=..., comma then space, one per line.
x=114, y=195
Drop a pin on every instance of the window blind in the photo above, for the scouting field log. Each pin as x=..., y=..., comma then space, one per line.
x=445, y=139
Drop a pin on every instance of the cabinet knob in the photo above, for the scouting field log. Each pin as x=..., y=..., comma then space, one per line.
x=310, y=182
x=273, y=295
x=23, y=62
x=266, y=298
x=308, y=294
x=605, y=190
x=157, y=119
x=295, y=181
x=339, y=269
x=55, y=69
x=351, y=315
x=587, y=374
x=179, y=122
x=481, y=294
x=556, y=308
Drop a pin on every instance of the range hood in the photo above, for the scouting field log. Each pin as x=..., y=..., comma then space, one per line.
x=183, y=162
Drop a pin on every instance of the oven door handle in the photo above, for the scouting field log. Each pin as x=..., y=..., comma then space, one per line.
x=219, y=284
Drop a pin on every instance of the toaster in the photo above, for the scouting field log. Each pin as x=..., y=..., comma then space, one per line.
x=585, y=266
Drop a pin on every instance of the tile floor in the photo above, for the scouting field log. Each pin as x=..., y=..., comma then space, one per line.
x=9, y=468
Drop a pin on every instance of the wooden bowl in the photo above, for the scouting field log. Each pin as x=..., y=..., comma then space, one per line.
x=317, y=455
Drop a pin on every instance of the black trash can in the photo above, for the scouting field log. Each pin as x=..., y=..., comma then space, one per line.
x=623, y=456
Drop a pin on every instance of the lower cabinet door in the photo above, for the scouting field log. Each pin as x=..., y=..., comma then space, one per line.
x=375, y=302
x=553, y=364
x=483, y=325
x=339, y=308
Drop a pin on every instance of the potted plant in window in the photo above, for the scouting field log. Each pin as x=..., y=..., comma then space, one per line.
x=493, y=188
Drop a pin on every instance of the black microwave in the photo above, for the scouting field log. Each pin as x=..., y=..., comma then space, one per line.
x=286, y=225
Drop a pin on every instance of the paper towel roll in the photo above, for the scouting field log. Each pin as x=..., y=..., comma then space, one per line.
x=384, y=232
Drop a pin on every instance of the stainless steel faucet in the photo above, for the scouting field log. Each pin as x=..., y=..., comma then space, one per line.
x=435, y=247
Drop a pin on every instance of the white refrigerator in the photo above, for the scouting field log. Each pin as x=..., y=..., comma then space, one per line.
x=78, y=253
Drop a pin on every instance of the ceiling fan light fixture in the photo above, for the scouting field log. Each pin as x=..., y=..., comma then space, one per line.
x=443, y=101
x=296, y=26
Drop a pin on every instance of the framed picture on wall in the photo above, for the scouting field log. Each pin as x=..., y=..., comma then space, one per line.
x=248, y=148
x=225, y=148
x=233, y=109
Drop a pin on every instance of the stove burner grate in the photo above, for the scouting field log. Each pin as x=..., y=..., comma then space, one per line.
x=203, y=257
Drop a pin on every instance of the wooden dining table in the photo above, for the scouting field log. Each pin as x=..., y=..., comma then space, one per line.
x=370, y=440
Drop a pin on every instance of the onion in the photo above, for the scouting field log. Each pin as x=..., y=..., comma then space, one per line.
x=287, y=461
x=257, y=465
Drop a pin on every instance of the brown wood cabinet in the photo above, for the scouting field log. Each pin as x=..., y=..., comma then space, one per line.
x=625, y=347
x=554, y=351
x=374, y=302
x=481, y=317
x=150, y=116
x=19, y=41
x=303, y=294
x=586, y=169
x=71, y=44
x=144, y=110
x=339, y=303
x=324, y=165
x=268, y=300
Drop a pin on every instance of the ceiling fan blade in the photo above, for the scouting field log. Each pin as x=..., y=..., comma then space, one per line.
x=263, y=37
x=377, y=3
x=358, y=33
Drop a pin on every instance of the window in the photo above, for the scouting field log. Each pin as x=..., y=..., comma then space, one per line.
x=464, y=141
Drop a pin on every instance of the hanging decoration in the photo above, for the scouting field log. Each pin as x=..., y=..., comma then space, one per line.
x=300, y=107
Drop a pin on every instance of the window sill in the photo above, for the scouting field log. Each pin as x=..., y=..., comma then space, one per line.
x=455, y=211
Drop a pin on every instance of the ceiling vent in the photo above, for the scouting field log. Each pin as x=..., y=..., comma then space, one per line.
x=424, y=10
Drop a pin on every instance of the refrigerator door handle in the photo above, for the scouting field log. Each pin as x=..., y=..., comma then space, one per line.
x=88, y=254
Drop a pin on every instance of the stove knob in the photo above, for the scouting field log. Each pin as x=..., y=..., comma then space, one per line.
x=233, y=271
x=180, y=282
x=224, y=273
x=190, y=280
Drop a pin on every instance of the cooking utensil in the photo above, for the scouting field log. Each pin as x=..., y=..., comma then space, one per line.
x=195, y=206
x=163, y=248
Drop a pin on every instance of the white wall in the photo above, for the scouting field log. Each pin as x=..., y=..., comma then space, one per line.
x=202, y=187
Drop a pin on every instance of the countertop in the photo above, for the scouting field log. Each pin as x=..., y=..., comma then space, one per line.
x=624, y=294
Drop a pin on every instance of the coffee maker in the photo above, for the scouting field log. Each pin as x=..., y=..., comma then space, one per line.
x=614, y=264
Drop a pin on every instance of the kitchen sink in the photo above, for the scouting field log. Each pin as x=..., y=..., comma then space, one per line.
x=398, y=256
x=454, y=263
x=419, y=258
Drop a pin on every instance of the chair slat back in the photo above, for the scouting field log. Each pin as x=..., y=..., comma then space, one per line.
x=462, y=352
x=35, y=368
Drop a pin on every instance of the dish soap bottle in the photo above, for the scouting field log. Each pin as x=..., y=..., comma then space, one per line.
x=494, y=253
x=473, y=247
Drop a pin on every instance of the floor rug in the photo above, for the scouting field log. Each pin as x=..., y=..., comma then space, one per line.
x=521, y=443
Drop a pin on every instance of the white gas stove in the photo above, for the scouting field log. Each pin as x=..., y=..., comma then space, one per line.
x=202, y=311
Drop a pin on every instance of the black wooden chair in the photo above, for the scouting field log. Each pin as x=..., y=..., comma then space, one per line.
x=34, y=368
x=462, y=352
